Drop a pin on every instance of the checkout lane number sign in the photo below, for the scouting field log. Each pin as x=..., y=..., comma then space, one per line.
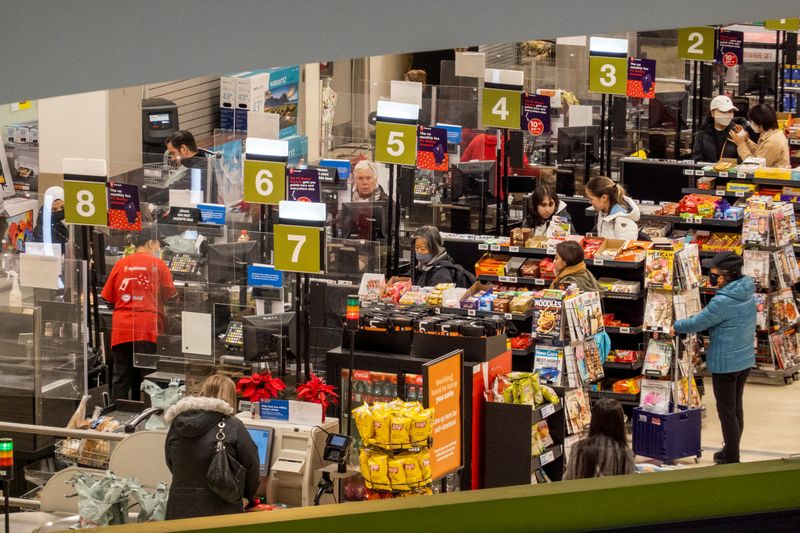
x=264, y=182
x=299, y=249
x=85, y=202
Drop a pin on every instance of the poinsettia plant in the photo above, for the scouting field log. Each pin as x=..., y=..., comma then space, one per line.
x=316, y=390
x=260, y=387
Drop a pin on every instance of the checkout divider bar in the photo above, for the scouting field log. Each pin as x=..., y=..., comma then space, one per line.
x=60, y=432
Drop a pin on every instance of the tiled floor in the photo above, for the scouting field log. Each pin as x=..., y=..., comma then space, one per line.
x=771, y=424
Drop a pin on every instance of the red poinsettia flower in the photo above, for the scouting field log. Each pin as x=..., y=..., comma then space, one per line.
x=260, y=387
x=316, y=390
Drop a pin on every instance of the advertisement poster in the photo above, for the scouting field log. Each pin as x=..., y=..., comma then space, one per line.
x=731, y=48
x=536, y=114
x=123, y=207
x=281, y=97
x=432, y=149
x=442, y=378
x=304, y=185
x=641, y=78
x=19, y=231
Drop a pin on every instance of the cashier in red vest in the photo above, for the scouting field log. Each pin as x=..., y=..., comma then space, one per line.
x=137, y=288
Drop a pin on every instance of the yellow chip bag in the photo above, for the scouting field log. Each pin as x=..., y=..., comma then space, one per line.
x=425, y=465
x=379, y=471
x=363, y=461
x=401, y=426
x=364, y=422
x=421, y=426
x=397, y=474
x=412, y=469
x=413, y=407
x=382, y=421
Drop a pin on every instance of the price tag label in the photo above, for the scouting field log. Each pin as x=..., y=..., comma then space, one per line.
x=538, y=281
x=741, y=175
x=648, y=202
x=625, y=330
x=740, y=194
x=508, y=316
x=699, y=173
x=470, y=312
x=608, y=75
x=599, y=262
x=698, y=220
x=548, y=410
x=504, y=279
x=299, y=249
x=483, y=247
x=85, y=203
x=688, y=172
x=697, y=43
x=264, y=182
x=546, y=458
x=719, y=192
x=437, y=311
x=512, y=279
x=513, y=249
x=723, y=174
x=502, y=108
x=494, y=248
x=396, y=144
x=551, y=251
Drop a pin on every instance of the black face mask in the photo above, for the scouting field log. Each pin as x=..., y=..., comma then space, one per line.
x=713, y=279
x=57, y=216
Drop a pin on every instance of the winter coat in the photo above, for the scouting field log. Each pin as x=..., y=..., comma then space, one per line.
x=620, y=223
x=709, y=142
x=614, y=460
x=772, y=145
x=59, y=232
x=440, y=269
x=541, y=229
x=189, y=448
x=730, y=318
x=580, y=276
x=377, y=195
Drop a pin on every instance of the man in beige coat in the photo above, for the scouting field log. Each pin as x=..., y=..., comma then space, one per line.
x=772, y=144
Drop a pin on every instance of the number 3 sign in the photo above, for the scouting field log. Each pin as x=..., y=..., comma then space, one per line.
x=299, y=249
x=608, y=75
x=85, y=203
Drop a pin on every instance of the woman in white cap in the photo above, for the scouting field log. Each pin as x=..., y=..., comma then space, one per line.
x=50, y=226
x=712, y=142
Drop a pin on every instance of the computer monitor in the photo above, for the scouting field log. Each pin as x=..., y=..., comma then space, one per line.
x=578, y=143
x=268, y=334
x=468, y=179
x=655, y=180
x=364, y=220
x=262, y=436
x=663, y=109
x=227, y=262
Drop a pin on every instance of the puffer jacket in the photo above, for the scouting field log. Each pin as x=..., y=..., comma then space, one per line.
x=189, y=448
x=730, y=318
x=620, y=223
x=710, y=148
x=541, y=229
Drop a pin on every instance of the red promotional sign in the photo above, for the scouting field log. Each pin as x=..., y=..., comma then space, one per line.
x=536, y=127
x=730, y=59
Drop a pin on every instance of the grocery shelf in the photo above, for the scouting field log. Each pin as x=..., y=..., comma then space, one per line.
x=516, y=280
x=717, y=192
x=527, y=351
x=542, y=252
x=630, y=265
x=473, y=312
x=540, y=413
x=632, y=330
x=623, y=295
x=624, y=399
x=550, y=454
x=624, y=366
x=708, y=222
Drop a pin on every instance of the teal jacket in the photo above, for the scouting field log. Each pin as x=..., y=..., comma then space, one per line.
x=730, y=318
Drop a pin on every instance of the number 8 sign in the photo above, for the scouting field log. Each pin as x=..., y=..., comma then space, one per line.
x=85, y=203
x=299, y=249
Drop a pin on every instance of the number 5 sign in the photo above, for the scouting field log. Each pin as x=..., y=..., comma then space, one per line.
x=608, y=75
x=85, y=202
x=264, y=182
x=395, y=143
x=299, y=249
x=697, y=44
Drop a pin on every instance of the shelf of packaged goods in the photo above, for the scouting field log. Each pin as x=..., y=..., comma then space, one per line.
x=707, y=222
x=540, y=413
x=632, y=330
x=542, y=252
x=631, y=296
x=550, y=454
x=610, y=365
x=610, y=263
x=539, y=282
x=473, y=312
x=624, y=399
x=718, y=192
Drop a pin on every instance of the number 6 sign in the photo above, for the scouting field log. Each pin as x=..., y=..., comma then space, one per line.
x=299, y=249
x=264, y=182
x=395, y=143
x=85, y=202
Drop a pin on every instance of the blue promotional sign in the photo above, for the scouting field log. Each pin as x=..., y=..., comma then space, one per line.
x=212, y=213
x=274, y=410
x=264, y=276
x=453, y=132
x=343, y=166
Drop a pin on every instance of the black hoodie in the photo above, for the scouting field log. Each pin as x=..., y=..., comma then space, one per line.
x=709, y=142
x=189, y=448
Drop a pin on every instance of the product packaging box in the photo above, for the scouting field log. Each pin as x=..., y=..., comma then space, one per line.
x=610, y=249
x=740, y=187
x=226, y=118
x=298, y=148
x=467, y=300
x=250, y=90
x=492, y=265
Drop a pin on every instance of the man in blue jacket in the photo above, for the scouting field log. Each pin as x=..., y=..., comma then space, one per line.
x=730, y=318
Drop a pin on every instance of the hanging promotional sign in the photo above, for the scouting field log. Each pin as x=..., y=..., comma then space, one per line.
x=123, y=207
x=641, y=78
x=85, y=200
x=731, y=48
x=304, y=185
x=432, y=149
x=535, y=114
x=443, y=390
x=697, y=43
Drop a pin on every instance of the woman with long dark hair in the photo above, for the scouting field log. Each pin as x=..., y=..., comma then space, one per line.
x=605, y=451
x=543, y=209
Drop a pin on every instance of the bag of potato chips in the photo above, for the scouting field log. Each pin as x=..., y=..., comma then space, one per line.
x=397, y=474
x=364, y=422
x=421, y=427
x=401, y=426
x=363, y=462
x=425, y=465
x=412, y=469
x=382, y=421
x=379, y=471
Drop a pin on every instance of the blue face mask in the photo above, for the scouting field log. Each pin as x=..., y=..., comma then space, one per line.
x=422, y=259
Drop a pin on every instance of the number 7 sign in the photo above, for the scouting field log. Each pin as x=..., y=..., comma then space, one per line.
x=299, y=249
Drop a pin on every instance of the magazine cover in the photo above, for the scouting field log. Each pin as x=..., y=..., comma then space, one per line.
x=779, y=349
x=690, y=265
x=591, y=354
x=687, y=304
x=655, y=396
x=571, y=368
x=783, y=225
x=756, y=228
x=658, y=358
x=549, y=362
x=580, y=363
x=659, y=269
x=762, y=311
x=783, y=308
x=786, y=270
x=579, y=414
x=658, y=310
x=584, y=315
x=756, y=265
x=547, y=318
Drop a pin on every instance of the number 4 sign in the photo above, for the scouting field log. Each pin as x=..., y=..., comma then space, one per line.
x=299, y=249
x=85, y=202
x=501, y=108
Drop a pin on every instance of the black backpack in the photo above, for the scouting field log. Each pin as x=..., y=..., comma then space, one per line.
x=462, y=277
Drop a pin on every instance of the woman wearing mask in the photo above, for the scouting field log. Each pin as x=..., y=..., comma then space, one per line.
x=772, y=144
x=712, y=142
x=544, y=210
x=434, y=264
x=617, y=214
x=50, y=226
x=605, y=451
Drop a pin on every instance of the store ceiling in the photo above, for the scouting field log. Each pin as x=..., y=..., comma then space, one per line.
x=55, y=48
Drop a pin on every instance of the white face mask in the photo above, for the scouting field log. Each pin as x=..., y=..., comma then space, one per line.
x=723, y=119
x=755, y=127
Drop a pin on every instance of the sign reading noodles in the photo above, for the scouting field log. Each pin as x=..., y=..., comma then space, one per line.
x=443, y=388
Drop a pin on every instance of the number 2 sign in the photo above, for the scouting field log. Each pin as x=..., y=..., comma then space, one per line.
x=299, y=249
x=697, y=43
x=85, y=203
x=608, y=75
